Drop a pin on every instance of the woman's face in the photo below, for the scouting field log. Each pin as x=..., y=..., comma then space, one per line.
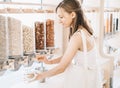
x=65, y=18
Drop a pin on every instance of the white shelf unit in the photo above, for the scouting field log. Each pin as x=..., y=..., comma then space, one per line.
x=114, y=40
x=110, y=41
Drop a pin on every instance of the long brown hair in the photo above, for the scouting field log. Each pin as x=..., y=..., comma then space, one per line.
x=74, y=6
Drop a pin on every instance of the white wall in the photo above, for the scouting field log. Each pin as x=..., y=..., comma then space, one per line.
x=96, y=3
x=53, y=2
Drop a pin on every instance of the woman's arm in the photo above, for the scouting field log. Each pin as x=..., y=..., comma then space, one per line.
x=43, y=58
x=73, y=46
x=54, y=61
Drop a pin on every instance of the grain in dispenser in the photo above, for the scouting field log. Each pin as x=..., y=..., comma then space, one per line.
x=15, y=37
x=28, y=39
x=49, y=33
x=39, y=35
x=3, y=38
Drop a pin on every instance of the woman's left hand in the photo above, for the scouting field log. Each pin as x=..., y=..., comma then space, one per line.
x=39, y=76
x=33, y=77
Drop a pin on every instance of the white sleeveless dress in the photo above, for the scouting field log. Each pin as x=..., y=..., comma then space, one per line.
x=77, y=77
x=83, y=73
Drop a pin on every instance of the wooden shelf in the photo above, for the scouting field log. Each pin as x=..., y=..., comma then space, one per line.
x=112, y=9
x=24, y=10
x=9, y=7
x=91, y=9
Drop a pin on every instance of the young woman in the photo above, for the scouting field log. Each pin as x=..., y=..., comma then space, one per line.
x=80, y=45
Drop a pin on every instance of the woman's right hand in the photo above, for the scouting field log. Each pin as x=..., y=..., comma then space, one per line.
x=42, y=58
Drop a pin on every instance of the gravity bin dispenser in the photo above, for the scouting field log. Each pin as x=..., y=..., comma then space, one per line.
x=19, y=44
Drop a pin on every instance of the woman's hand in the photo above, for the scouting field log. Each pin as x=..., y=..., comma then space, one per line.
x=42, y=58
x=33, y=77
x=39, y=76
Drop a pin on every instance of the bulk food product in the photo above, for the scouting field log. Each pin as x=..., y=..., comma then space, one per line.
x=3, y=10
x=15, y=37
x=50, y=33
x=28, y=39
x=3, y=38
x=39, y=35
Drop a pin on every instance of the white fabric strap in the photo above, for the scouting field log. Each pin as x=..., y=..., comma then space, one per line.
x=85, y=57
x=84, y=40
x=84, y=49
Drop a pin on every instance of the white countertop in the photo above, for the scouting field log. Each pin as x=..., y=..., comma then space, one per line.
x=14, y=79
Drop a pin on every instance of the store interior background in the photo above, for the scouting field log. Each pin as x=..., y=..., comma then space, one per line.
x=107, y=41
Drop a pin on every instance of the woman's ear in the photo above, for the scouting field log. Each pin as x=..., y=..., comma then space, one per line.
x=73, y=14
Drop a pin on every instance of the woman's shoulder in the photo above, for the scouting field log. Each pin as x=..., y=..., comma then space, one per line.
x=77, y=34
x=76, y=38
x=85, y=32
